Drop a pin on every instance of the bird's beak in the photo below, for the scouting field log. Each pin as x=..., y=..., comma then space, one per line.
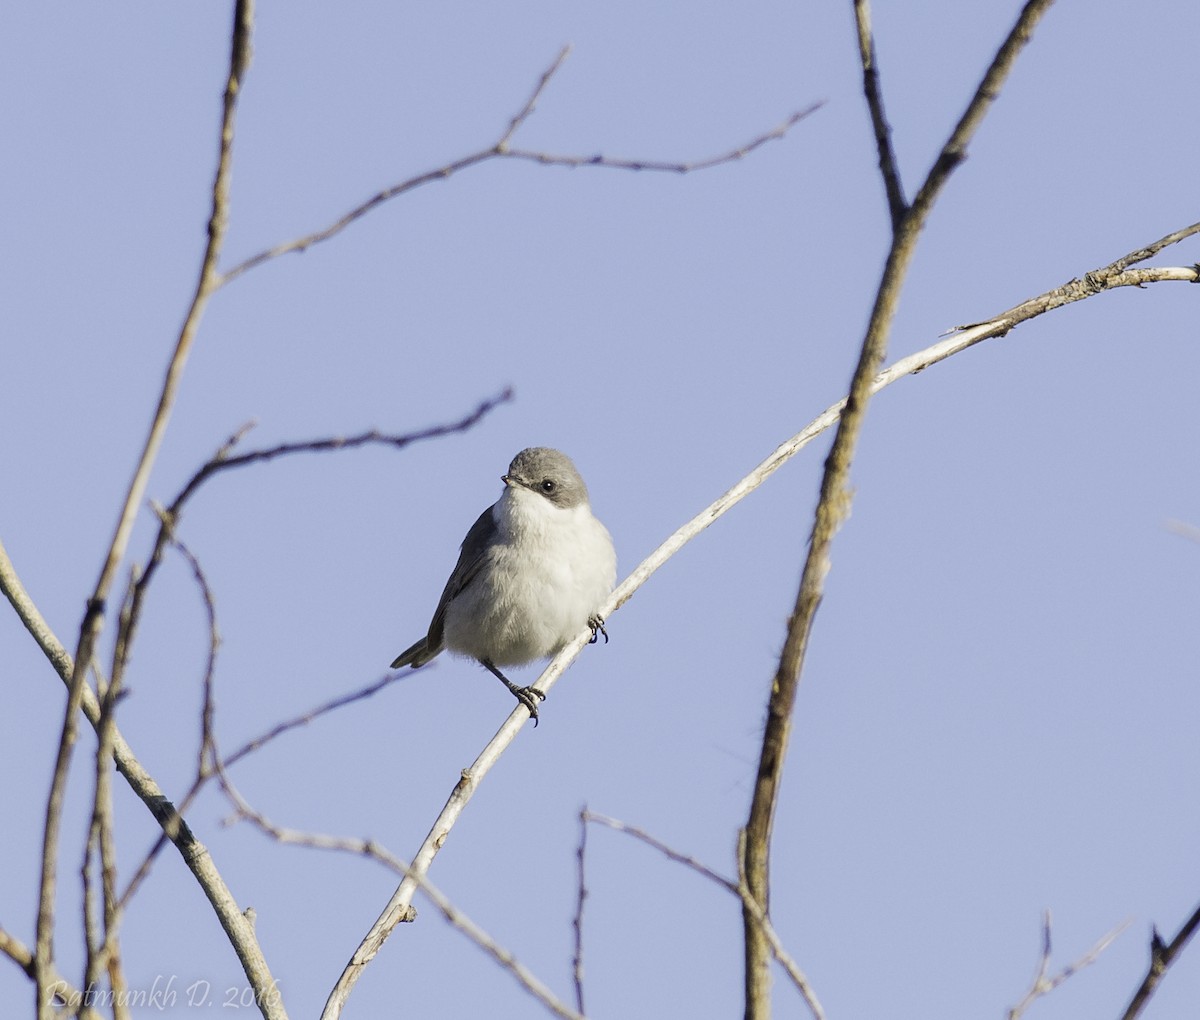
x=506, y=480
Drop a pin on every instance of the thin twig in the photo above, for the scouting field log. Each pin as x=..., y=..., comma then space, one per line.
x=526, y=111
x=208, y=750
x=373, y=850
x=1043, y=982
x=581, y=866
x=955, y=149
x=502, y=149
x=897, y=205
x=169, y=518
x=208, y=756
x=207, y=769
x=310, y=716
x=664, y=166
x=224, y=460
x=1162, y=955
x=739, y=889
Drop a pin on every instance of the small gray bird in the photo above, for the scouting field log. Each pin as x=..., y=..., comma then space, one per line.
x=533, y=571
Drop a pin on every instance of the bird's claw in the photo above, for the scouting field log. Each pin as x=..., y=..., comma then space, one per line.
x=526, y=696
x=596, y=623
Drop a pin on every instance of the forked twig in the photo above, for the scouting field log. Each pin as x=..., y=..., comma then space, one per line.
x=738, y=889
x=502, y=149
x=1044, y=982
x=376, y=852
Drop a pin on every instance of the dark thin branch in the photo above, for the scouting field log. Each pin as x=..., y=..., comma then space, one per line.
x=581, y=865
x=526, y=111
x=894, y=189
x=501, y=149
x=664, y=166
x=224, y=460
x=303, y=720
x=833, y=508
x=955, y=149
x=1162, y=956
x=207, y=749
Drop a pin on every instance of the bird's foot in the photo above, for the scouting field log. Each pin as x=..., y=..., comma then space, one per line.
x=596, y=623
x=525, y=695
x=529, y=697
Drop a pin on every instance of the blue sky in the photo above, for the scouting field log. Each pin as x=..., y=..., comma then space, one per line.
x=998, y=710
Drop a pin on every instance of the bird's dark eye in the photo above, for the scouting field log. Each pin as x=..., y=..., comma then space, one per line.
x=547, y=485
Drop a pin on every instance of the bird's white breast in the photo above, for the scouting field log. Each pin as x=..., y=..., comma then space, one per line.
x=547, y=572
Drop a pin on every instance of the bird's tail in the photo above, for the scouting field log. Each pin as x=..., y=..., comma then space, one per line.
x=416, y=655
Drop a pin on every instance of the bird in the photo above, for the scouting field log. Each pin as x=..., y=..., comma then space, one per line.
x=532, y=572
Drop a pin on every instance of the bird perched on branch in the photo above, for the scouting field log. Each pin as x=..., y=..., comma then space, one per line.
x=533, y=572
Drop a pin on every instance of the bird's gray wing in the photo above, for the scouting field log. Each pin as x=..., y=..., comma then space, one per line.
x=471, y=557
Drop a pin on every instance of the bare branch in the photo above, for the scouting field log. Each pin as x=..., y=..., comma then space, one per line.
x=396, y=909
x=1115, y=274
x=739, y=889
x=1043, y=983
x=581, y=865
x=209, y=760
x=206, y=768
x=373, y=850
x=310, y=716
x=208, y=757
x=194, y=853
x=955, y=149
x=72, y=671
x=888, y=167
x=62, y=992
x=104, y=955
x=94, y=617
x=526, y=111
x=833, y=508
x=224, y=460
x=665, y=166
x=1162, y=955
x=196, y=856
x=501, y=149
x=169, y=518
x=208, y=750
